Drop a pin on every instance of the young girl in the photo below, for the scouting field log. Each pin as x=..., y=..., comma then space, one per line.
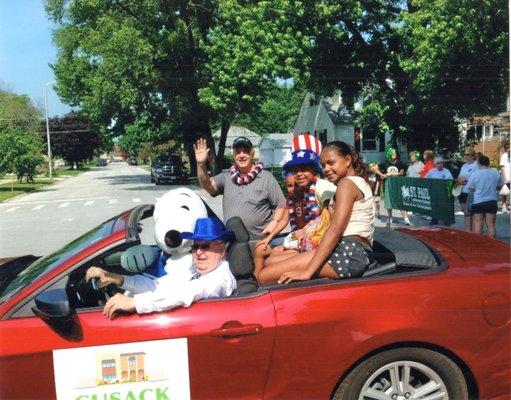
x=345, y=247
x=307, y=238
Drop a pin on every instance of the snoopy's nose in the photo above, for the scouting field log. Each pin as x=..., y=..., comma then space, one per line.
x=173, y=239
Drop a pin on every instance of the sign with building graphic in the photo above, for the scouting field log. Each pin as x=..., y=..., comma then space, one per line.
x=154, y=370
x=431, y=197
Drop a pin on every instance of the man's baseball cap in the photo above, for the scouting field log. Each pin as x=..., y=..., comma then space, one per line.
x=242, y=141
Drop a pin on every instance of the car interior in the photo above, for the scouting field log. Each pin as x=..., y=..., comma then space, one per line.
x=394, y=253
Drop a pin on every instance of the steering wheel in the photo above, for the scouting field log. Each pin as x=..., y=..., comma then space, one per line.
x=89, y=293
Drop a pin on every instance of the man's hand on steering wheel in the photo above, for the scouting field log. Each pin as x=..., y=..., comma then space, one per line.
x=105, y=278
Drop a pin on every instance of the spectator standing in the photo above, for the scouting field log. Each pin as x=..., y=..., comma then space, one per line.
x=392, y=166
x=428, y=156
x=249, y=191
x=505, y=173
x=413, y=171
x=467, y=169
x=438, y=172
x=484, y=183
x=416, y=165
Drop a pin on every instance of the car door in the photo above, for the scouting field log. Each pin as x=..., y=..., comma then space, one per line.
x=227, y=351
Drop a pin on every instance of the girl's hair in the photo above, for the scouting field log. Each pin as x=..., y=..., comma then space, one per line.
x=430, y=154
x=344, y=149
x=287, y=173
x=484, y=161
x=471, y=151
x=416, y=154
x=389, y=152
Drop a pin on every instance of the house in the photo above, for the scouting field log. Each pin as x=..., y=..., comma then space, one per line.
x=487, y=132
x=329, y=119
x=276, y=148
x=233, y=133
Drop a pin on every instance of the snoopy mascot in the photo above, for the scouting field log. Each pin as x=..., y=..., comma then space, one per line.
x=175, y=212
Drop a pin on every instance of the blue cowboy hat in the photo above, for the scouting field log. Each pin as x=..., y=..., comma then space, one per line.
x=303, y=157
x=208, y=229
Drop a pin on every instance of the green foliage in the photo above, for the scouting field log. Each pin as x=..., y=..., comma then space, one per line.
x=20, y=144
x=251, y=45
x=276, y=114
x=372, y=118
x=20, y=152
x=148, y=151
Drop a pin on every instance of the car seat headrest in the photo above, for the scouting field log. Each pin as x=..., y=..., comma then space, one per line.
x=236, y=224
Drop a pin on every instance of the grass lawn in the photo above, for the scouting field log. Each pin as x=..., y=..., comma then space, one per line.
x=8, y=190
x=69, y=171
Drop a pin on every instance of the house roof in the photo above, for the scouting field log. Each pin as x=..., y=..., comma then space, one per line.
x=275, y=140
x=337, y=111
x=236, y=131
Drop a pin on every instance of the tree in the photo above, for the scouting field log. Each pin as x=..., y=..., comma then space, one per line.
x=73, y=139
x=20, y=144
x=175, y=65
x=276, y=114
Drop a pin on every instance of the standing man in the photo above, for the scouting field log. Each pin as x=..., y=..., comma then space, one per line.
x=249, y=191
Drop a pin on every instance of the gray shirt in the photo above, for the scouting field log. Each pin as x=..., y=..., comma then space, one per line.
x=254, y=203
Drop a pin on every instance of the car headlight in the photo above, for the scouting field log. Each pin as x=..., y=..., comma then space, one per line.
x=158, y=170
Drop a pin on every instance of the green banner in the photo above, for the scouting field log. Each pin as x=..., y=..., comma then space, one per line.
x=431, y=197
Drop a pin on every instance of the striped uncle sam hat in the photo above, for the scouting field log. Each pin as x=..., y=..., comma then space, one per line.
x=306, y=141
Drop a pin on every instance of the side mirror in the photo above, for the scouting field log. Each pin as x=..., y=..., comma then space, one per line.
x=52, y=306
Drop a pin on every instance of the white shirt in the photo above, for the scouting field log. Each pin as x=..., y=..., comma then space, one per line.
x=466, y=170
x=414, y=169
x=176, y=265
x=436, y=174
x=180, y=290
x=504, y=162
x=361, y=221
x=485, y=182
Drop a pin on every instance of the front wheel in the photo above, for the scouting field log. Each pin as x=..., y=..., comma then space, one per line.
x=406, y=373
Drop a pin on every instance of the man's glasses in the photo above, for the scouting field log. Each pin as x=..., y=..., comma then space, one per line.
x=204, y=246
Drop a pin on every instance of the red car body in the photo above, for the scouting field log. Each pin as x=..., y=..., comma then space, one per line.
x=296, y=341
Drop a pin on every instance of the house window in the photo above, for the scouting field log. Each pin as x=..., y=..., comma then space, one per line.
x=368, y=141
x=132, y=361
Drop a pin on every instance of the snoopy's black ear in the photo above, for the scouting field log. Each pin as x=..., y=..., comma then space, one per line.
x=211, y=213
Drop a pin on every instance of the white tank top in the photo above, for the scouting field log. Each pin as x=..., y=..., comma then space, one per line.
x=361, y=222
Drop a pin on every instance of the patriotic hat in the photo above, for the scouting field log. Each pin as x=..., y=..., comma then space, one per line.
x=303, y=157
x=306, y=141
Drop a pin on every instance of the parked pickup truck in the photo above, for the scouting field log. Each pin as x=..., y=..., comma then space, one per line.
x=168, y=168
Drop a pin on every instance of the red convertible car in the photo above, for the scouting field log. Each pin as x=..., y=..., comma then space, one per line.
x=429, y=320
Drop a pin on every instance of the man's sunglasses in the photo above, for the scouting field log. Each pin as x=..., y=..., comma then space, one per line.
x=204, y=246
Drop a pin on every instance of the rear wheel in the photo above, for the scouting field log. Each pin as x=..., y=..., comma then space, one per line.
x=152, y=178
x=407, y=373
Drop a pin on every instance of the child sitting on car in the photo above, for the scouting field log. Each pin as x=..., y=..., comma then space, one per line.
x=210, y=277
x=309, y=237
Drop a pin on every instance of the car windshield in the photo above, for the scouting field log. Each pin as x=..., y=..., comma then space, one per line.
x=169, y=159
x=46, y=264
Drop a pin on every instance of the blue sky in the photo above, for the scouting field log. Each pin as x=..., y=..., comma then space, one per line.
x=26, y=49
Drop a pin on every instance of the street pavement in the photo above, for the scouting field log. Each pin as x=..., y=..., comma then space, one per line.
x=41, y=222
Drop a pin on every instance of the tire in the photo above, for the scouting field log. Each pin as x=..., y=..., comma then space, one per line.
x=156, y=181
x=425, y=367
x=152, y=178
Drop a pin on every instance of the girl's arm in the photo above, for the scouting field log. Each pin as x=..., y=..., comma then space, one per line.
x=346, y=195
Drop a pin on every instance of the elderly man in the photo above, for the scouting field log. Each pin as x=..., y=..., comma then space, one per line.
x=250, y=192
x=210, y=277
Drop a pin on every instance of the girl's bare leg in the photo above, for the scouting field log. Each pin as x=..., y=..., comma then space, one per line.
x=478, y=223
x=468, y=218
x=272, y=272
x=490, y=223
